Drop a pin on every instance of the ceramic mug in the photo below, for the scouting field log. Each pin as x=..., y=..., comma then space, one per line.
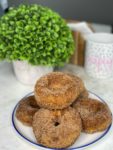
x=99, y=55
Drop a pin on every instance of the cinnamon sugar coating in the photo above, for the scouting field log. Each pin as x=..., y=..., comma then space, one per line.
x=95, y=115
x=57, y=90
x=56, y=128
x=26, y=109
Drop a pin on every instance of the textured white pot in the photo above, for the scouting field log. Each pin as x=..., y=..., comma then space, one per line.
x=29, y=74
x=99, y=55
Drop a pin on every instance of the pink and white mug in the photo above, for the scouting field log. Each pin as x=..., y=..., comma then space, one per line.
x=99, y=55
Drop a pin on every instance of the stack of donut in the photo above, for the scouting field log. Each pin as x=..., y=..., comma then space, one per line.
x=60, y=109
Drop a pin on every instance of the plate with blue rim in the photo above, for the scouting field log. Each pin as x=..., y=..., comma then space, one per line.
x=84, y=141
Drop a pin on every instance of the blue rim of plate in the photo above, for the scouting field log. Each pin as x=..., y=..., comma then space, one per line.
x=41, y=146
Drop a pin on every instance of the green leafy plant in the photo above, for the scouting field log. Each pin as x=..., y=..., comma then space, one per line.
x=36, y=34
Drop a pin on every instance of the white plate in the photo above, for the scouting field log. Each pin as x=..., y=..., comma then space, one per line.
x=84, y=141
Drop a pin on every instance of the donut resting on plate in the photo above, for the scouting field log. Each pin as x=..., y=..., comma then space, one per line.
x=95, y=115
x=57, y=129
x=26, y=109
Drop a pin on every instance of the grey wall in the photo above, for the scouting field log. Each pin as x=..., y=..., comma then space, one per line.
x=100, y=11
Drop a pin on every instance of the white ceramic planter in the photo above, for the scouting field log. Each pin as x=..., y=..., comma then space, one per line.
x=99, y=55
x=29, y=74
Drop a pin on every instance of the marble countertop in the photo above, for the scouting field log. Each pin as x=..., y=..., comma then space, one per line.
x=11, y=91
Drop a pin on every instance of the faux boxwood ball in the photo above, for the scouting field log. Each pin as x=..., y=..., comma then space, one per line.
x=36, y=34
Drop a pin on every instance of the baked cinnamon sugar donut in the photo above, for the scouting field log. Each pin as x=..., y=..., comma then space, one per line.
x=26, y=109
x=95, y=115
x=56, y=128
x=57, y=90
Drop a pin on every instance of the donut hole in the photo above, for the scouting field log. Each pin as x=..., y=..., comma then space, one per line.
x=33, y=104
x=91, y=107
x=57, y=82
x=56, y=124
x=97, y=107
